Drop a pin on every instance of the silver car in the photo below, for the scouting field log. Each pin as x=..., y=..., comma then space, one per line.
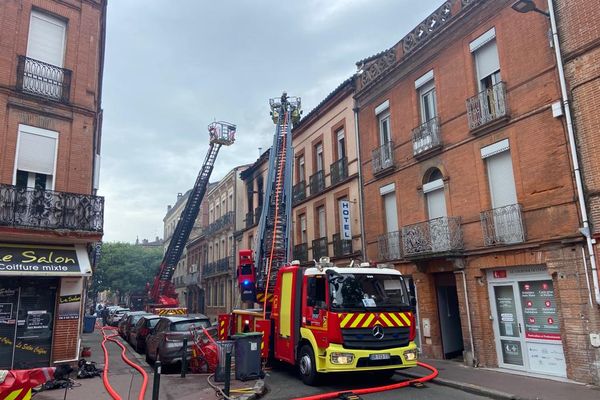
x=165, y=342
x=115, y=315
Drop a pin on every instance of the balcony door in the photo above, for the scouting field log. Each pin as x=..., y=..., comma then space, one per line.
x=436, y=211
x=391, y=224
x=46, y=41
x=507, y=225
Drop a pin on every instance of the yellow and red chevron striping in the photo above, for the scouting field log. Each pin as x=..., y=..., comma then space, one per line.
x=369, y=320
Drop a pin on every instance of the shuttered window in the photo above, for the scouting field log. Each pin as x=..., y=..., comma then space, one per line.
x=488, y=65
x=46, y=41
x=36, y=150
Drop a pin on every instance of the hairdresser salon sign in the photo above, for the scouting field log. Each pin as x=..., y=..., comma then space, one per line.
x=36, y=260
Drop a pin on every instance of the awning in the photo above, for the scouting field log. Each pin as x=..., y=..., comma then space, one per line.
x=42, y=260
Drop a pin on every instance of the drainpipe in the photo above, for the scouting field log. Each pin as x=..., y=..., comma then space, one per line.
x=360, y=186
x=468, y=310
x=585, y=230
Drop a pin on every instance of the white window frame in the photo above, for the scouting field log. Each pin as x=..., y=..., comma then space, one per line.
x=41, y=132
x=53, y=20
x=319, y=157
x=322, y=224
x=341, y=143
x=384, y=118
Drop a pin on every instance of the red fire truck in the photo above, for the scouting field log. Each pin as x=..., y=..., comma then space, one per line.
x=322, y=318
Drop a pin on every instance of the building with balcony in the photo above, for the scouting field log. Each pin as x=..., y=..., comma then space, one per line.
x=326, y=192
x=217, y=269
x=51, y=220
x=468, y=189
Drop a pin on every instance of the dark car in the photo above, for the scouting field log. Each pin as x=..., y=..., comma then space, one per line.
x=139, y=331
x=166, y=340
x=128, y=321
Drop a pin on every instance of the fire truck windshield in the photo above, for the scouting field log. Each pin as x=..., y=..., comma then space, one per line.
x=367, y=292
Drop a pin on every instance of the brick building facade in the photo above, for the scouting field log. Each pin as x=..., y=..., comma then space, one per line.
x=326, y=181
x=468, y=190
x=51, y=61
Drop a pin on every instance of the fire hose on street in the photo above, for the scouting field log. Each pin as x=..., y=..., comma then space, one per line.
x=113, y=393
x=393, y=386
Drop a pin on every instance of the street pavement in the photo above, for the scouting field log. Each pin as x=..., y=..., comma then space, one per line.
x=454, y=382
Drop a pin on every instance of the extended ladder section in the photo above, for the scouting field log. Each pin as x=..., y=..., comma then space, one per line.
x=273, y=247
x=163, y=291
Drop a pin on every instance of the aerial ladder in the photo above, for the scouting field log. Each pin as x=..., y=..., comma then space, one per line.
x=162, y=294
x=273, y=247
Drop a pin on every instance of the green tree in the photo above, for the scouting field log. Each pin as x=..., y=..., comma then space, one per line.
x=126, y=268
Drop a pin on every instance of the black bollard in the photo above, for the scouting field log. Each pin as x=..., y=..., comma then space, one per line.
x=184, y=364
x=156, y=385
x=227, y=371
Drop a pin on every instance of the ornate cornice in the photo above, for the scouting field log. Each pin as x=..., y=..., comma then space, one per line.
x=430, y=25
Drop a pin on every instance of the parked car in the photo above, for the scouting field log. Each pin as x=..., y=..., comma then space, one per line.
x=139, y=331
x=115, y=315
x=166, y=340
x=127, y=320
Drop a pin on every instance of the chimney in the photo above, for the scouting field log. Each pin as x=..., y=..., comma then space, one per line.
x=179, y=195
x=259, y=151
x=168, y=208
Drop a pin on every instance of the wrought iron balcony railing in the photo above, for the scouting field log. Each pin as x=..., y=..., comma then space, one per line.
x=319, y=248
x=503, y=225
x=390, y=247
x=383, y=157
x=339, y=170
x=299, y=192
x=489, y=105
x=434, y=237
x=42, y=79
x=301, y=252
x=47, y=209
x=341, y=247
x=317, y=183
x=249, y=219
x=217, y=267
x=224, y=222
x=426, y=137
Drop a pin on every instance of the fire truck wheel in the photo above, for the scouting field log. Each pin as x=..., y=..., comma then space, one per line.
x=308, y=368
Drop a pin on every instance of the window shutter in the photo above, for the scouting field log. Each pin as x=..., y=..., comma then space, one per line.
x=502, y=181
x=487, y=61
x=391, y=212
x=37, y=152
x=46, y=40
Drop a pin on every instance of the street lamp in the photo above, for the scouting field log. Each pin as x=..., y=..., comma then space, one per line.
x=525, y=6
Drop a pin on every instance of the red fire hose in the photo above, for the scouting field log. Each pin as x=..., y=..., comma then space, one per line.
x=333, y=395
x=107, y=385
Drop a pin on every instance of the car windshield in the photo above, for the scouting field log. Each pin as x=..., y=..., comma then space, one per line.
x=185, y=326
x=367, y=291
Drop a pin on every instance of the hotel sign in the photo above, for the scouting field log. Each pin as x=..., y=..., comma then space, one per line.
x=345, y=221
x=36, y=260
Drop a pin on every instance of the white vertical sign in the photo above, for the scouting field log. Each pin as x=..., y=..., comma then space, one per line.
x=345, y=221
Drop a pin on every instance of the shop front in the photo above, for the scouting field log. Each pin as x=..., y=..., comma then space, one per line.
x=525, y=320
x=41, y=303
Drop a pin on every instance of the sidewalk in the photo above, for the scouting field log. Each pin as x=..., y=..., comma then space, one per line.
x=498, y=384
x=127, y=381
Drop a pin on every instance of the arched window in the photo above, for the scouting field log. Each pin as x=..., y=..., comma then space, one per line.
x=435, y=197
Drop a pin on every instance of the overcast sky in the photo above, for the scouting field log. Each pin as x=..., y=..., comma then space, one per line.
x=173, y=66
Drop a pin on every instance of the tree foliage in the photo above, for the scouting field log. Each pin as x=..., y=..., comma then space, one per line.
x=126, y=268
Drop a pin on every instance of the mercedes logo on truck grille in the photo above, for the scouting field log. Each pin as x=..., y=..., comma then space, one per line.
x=378, y=332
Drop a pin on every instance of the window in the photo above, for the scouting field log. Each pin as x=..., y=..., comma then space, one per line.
x=341, y=143
x=301, y=169
x=316, y=291
x=319, y=157
x=427, y=101
x=385, y=135
x=388, y=195
x=46, y=41
x=36, y=158
x=215, y=295
x=322, y=221
x=221, y=294
x=208, y=295
x=486, y=59
x=500, y=175
x=434, y=194
x=303, y=236
x=251, y=242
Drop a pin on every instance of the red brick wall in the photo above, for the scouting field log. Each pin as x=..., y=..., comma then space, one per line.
x=74, y=122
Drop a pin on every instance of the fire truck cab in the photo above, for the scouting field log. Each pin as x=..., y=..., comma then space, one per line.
x=331, y=319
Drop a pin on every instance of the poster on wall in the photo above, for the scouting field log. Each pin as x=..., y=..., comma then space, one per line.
x=539, y=310
x=512, y=353
x=5, y=312
x=507, y=311
x=69, y=301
